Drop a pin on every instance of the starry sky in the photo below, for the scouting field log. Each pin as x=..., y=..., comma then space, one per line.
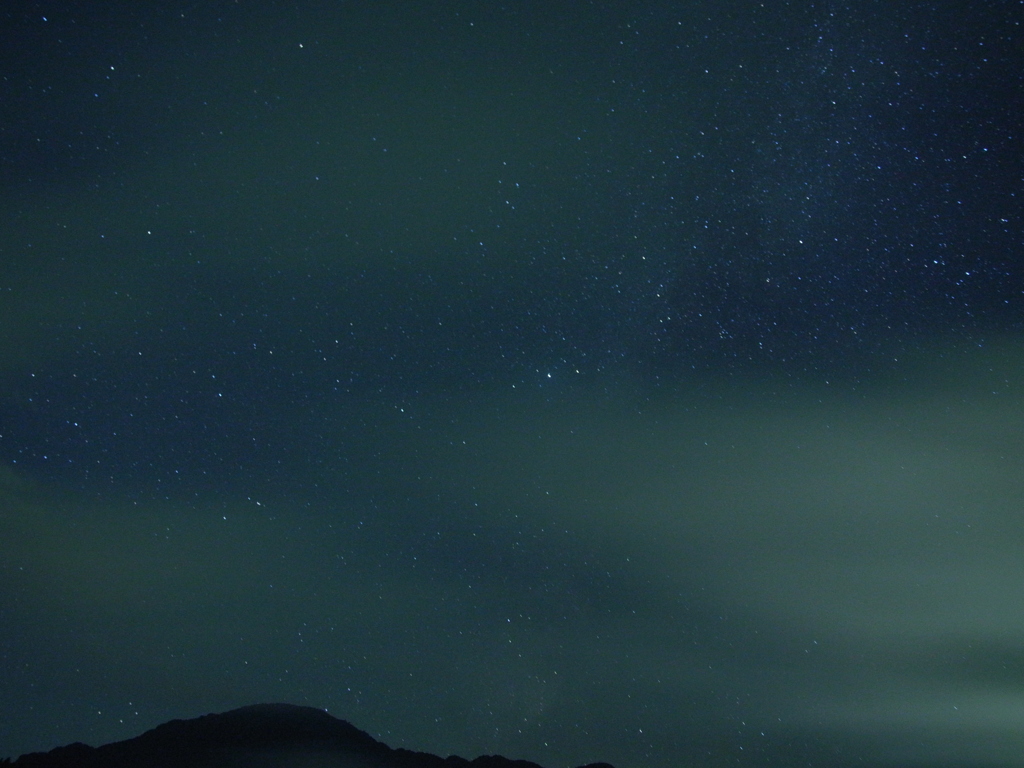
x=626, y=381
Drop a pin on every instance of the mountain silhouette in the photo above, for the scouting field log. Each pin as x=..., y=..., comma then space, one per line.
x=260, y=736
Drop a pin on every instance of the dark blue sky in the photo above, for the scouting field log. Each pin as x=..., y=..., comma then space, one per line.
x=627, y=381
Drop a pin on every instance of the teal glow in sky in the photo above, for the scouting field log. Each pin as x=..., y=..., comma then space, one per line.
x=626, y=383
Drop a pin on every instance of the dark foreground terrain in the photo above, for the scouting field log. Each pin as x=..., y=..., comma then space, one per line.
x=260, y=736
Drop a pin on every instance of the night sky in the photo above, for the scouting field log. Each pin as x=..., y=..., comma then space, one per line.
x=638, y=382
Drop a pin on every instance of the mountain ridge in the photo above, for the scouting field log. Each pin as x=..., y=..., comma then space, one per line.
x=256, y=736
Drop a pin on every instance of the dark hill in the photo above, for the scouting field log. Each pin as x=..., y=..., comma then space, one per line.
x=260, y=736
